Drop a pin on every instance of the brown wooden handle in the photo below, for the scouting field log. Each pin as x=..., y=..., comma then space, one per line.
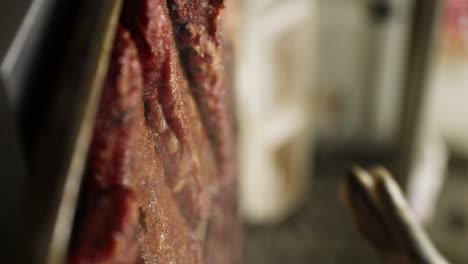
x=381, y=214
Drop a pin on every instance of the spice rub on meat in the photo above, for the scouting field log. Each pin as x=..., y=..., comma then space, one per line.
x=198, y=37
x=197, y=32
x=128, y=213
x=160, y=184
x=170, y=111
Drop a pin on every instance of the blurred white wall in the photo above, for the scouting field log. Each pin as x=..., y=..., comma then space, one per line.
x=392, y=41
x=308, y=71
x=344, y=48
x=275, y=73
x=361, y=65
x=444, y=124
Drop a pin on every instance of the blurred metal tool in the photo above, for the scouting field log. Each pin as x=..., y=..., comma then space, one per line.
x=381, y=214
x=57, y=159
x=71, y=123
x=13, y=172
x=22, y=25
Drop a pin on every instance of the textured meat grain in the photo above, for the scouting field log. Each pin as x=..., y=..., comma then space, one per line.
x=197, y=31
x=171, y=113
x=128, y=212
x=109, y=209
x=160, y=183
x=196, y=25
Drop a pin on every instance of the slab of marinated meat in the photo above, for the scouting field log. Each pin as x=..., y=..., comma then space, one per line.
x=128, y=214
x=171, y=114
x=160, y=181
x=197, y=32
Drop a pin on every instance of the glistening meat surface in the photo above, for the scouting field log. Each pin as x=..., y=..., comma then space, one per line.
x=160, y=181
x=170, y=111
x=128, y=213
x=197, y=33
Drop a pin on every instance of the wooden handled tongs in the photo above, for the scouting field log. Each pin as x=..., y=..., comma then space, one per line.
x=381, y=214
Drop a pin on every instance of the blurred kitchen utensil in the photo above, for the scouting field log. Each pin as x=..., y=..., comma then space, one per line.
x=381, y=214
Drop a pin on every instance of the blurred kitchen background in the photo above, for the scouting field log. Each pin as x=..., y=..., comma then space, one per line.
x=322, y=84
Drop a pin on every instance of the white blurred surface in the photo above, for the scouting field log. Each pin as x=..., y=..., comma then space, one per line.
x=275, y=84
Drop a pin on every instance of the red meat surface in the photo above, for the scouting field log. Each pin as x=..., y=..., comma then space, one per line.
x=198, y=37
x=171, y=114
x=197, y=33
x=128, y=213
x=160, y=180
